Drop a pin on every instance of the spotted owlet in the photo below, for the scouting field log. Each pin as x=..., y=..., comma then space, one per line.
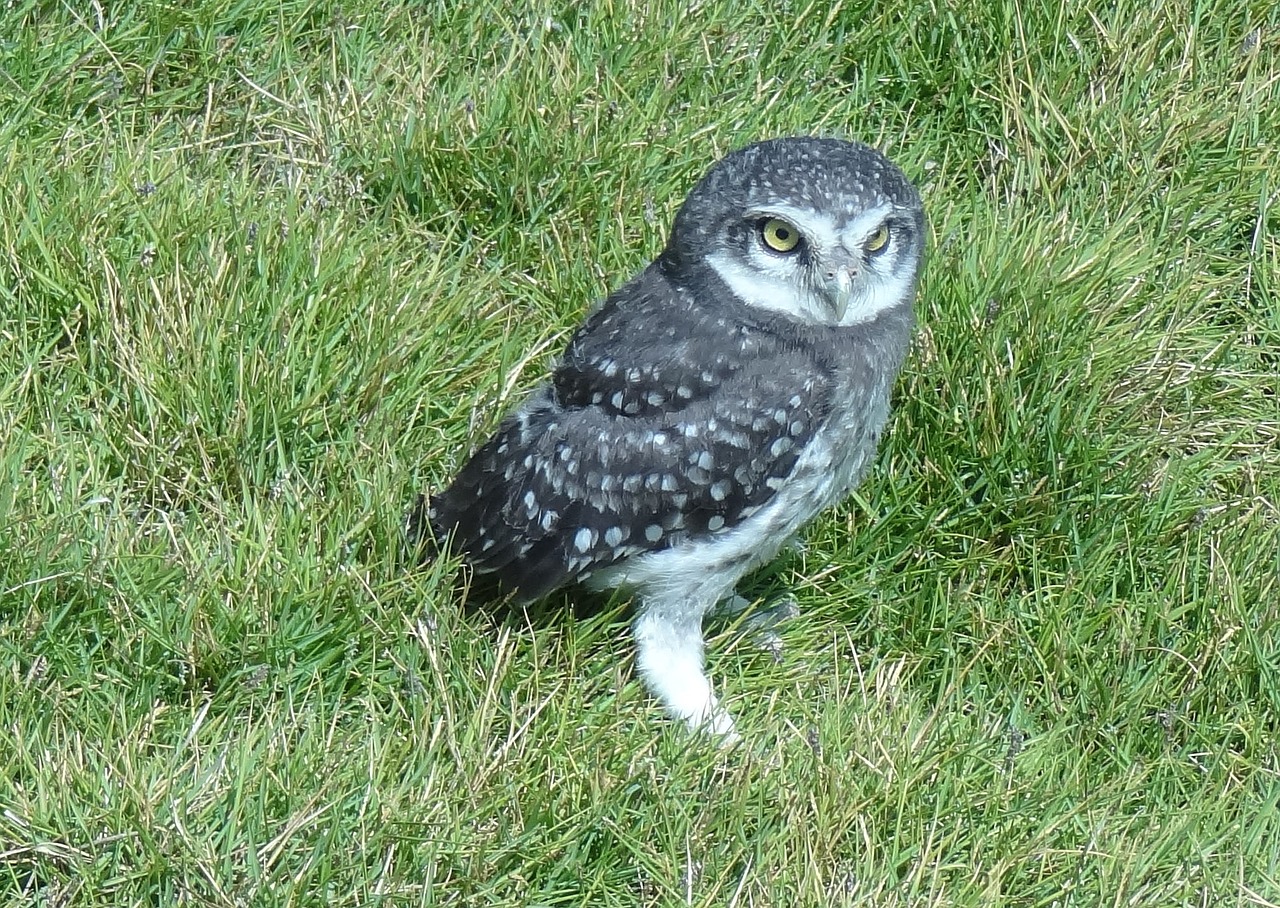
x=709, y=408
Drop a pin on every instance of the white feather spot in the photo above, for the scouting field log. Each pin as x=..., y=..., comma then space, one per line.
x=796, y=428
x=549, y=520
x=582, y=541
x=716, y=523
x=684, y=391
x=780, y=446
x=613, y=536
x=616, y=400
x=720, y=489
x=653, y=532
x=705, y=460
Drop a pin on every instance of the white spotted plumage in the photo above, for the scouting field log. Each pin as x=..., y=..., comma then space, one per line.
x=710, y=407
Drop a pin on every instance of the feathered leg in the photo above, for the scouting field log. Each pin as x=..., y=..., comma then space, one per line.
x=669, y=654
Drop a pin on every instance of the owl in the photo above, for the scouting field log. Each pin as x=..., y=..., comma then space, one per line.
x=708, y=409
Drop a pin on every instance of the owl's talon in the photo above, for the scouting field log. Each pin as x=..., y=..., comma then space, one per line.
x=771, y=643
x=762, y=625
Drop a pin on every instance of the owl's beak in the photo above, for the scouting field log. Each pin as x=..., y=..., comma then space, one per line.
x=838, y=279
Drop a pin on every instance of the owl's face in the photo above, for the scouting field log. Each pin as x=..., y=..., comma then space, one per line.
x=822, y=230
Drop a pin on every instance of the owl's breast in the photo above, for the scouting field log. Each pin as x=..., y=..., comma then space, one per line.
x=843, y=449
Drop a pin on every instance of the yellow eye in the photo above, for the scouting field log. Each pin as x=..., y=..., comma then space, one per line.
x=878, y=240
x=779, y=236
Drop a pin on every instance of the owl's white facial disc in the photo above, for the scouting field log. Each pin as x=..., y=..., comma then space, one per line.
x=833, y=276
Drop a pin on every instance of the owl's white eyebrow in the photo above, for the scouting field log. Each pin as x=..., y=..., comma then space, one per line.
x=856, y=231
x=813, y=224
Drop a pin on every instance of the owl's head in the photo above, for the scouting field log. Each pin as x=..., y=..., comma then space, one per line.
x=822, y=230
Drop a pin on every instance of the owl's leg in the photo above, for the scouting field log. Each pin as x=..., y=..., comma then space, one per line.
x=669, y=654
x=763, y=624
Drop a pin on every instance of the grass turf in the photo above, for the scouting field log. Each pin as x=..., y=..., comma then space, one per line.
x=268, y=269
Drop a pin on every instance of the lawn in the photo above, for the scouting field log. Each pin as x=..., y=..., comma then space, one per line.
x=269, y=269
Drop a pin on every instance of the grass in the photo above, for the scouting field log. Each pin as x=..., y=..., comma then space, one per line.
x=266, y=270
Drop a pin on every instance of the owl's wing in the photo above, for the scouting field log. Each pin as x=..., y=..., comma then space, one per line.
x=635, y=445
x=650, y=358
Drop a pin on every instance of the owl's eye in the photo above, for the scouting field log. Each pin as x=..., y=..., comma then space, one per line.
x=779, y=236
x=879, y=240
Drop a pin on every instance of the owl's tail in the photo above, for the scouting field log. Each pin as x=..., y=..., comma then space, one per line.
x=424, y=542
x=419, y=537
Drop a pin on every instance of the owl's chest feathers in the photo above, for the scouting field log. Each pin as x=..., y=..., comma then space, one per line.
x=841, y=451
x=700, y=572
x=830, y=467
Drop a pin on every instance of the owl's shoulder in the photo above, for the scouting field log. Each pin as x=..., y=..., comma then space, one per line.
x=655, y=345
